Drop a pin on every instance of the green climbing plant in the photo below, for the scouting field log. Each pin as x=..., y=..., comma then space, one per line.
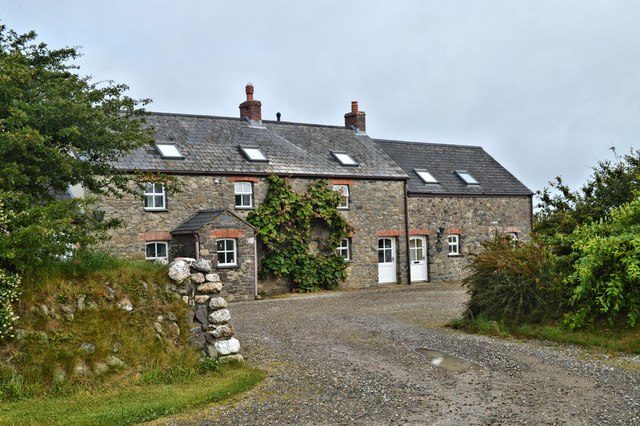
x=284, y=223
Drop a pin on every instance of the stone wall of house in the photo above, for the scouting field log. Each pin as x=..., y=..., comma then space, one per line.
x=197, y=193
x=475, y=218
x=376, y=208
x=240, y=279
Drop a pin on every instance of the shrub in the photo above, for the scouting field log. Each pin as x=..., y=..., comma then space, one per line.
x=512, y=283
x=607, y=271
x=9, y=292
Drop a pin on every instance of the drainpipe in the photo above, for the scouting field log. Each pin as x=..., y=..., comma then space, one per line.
x=406, y=229
x=255, y=266
x=197, y=237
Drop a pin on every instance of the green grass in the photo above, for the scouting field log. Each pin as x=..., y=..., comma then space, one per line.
x=597, y=337
x=130, y=405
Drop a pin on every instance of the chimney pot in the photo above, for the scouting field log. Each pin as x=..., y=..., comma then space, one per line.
x=251, y=109
x=249, y=91
x=354, y=106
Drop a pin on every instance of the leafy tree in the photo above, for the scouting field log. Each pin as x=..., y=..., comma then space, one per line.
x=57, y=130
x=612, y=184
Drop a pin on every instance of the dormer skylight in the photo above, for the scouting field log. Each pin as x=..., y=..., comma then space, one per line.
x=253, y=153
x=344, y=158
x=425, y=176
x=466, y=177
x=168, y=150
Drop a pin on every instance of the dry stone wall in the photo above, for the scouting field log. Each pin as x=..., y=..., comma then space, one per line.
x=211, y=333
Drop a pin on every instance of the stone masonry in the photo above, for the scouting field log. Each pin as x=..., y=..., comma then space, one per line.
x=200, y=288
x=477, y=219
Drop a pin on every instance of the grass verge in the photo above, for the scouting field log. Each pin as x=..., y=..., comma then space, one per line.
x=597, y=337
x=133, y=404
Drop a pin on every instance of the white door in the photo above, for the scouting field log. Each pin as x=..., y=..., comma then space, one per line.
x=418, y=258
x=386, y=260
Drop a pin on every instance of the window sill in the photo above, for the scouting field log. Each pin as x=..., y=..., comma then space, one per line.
x=244, y=208
x=226, y=266
x=155, y=210
x=454, y=255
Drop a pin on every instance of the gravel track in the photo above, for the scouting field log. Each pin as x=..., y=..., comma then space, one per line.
x=358, y=357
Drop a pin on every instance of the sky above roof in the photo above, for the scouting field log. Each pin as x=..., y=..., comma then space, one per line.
x=546, y=87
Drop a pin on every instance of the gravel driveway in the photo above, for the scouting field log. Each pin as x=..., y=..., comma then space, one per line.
x=378, y=356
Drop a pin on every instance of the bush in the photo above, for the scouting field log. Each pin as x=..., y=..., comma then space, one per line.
x=511, y=282
x=9, y=292
x=607, y=272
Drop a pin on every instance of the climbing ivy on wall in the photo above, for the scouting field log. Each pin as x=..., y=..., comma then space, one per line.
x=284, y=223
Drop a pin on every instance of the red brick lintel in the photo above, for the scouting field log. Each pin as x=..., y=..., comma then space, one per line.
x=453, y=231
x=244, y=179
x=154, y=236
x=388, y=233
x=227, y=233
x=420, y=232
x=341, y=182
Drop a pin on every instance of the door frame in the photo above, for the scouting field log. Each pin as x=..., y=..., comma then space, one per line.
x=386, y=267
x=425, y=258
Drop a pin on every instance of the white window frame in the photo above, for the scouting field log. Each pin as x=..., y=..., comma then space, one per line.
x=425, y=176
x=242, y=190
x=226, y=250
x=344, y=249
x=253, y=153
x=152, y=194
x=346, y=195
x=344, y=159
x=156, y=244
x=453, y=244
x=168, y=150
x=467, y=177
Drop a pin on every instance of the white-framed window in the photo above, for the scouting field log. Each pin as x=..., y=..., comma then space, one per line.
x=154, y=196
x=425, y=176
x=253, y=153
x=466, y=177
x=157, y=250
x=513, y=236
x=344, y=159
x=344, y=191
x=168, y=150
x=244, y=195
x=344, y=249
x=226, y=249
x=454, y=244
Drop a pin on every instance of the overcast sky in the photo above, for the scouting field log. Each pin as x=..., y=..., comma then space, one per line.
x=544, y=86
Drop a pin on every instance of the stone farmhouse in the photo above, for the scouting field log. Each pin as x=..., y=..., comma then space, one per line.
x=419, y=211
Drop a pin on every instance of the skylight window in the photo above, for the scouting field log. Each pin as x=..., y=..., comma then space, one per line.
x=426, y=176
x=253, y=153
x=466, y=177
x=168, y=150
x=344, y=158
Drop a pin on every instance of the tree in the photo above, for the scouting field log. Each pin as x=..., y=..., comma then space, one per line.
x=611, y=185
x=57, y=130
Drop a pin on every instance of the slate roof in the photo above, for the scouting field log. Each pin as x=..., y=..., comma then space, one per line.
x=210, y=145
x=197, y=221
x=203, y=217
x=443, y=160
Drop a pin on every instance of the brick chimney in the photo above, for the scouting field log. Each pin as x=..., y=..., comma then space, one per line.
x=250, y=109
x=355, y=118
